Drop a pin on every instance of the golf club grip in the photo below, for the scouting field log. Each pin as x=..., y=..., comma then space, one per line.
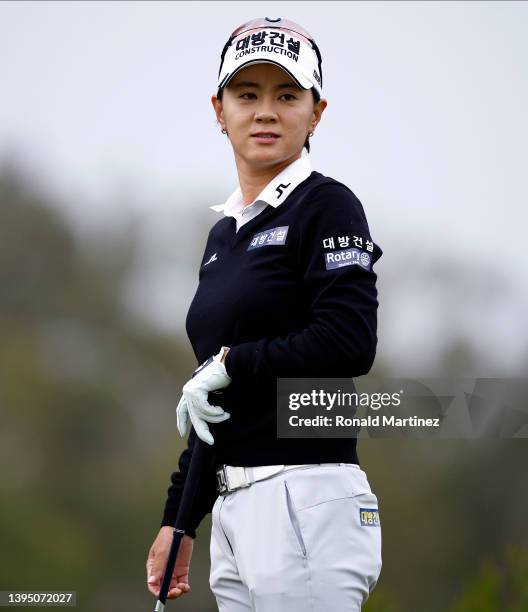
x=177, y=536
x=199, y=457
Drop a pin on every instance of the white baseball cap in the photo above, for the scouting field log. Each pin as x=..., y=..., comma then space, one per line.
x=273, y=41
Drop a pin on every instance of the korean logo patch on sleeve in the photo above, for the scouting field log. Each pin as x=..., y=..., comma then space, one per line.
x=351, y=253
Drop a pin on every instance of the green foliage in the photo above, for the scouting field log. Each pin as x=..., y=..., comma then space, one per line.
x=381, y=600
x=88, y=441
x=87, y=397
x=498, y=586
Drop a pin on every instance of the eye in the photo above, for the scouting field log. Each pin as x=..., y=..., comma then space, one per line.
x=291, y=97
x=247, y=93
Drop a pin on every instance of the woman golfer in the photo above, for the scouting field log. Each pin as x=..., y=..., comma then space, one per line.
x=286, y=289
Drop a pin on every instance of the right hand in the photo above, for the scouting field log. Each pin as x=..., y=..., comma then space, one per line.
x=157, y=560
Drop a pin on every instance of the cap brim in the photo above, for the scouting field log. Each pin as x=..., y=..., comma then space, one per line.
x=301, y=81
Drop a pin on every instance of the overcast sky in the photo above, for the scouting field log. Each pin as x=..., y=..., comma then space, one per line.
x=426, y=120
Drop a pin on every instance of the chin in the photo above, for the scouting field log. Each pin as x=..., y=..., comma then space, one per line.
x=265, y=157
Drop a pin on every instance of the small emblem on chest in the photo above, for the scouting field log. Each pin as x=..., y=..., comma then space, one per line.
x=276, y=235
x=211, y=259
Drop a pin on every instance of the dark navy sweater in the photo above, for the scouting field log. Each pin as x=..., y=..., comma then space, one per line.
x=293, y=294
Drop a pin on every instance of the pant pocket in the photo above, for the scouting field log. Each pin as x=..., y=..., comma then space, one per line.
x=369, y=515
x=294, y=521
x=369, y=521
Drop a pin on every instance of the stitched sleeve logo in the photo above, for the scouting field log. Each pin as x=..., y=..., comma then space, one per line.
x=347, y=257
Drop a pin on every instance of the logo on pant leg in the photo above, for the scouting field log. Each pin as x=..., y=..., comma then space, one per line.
x=369, y=517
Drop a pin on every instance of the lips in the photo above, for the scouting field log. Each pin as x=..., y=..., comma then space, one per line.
x=265, y=135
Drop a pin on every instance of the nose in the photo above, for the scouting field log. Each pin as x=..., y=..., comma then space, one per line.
x=265, y=111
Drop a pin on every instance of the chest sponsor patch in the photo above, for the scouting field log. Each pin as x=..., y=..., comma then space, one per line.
x=369, y=517
x=276, y=235
x=347, y=257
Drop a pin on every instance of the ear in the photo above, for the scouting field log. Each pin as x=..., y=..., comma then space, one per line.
x=217, y=105
x=318, y=111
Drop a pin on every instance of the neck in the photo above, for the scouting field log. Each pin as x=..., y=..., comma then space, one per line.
x=253, y=179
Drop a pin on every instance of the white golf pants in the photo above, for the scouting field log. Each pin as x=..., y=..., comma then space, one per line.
x=307, y=539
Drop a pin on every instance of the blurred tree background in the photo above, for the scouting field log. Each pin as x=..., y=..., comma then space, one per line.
x=88, y=440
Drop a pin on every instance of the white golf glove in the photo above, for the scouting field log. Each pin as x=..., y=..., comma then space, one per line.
x=210, y=376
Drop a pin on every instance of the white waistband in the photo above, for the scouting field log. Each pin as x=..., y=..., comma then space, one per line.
x=238, y=476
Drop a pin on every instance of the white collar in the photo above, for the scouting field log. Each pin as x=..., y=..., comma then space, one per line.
x=275, y=192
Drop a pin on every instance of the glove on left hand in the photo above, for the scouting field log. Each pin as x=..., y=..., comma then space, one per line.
x=211, y=375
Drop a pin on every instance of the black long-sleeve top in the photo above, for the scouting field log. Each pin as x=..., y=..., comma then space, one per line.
x=293, y=293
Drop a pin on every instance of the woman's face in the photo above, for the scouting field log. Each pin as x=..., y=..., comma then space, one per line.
x=264, y=98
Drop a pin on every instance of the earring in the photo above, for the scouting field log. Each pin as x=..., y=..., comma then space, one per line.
x=224, y=131
x=310, y=134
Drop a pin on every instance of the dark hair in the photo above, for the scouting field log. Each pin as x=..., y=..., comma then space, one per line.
x=316, y=98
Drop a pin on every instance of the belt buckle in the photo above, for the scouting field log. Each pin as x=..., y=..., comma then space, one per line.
x=223, y=482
